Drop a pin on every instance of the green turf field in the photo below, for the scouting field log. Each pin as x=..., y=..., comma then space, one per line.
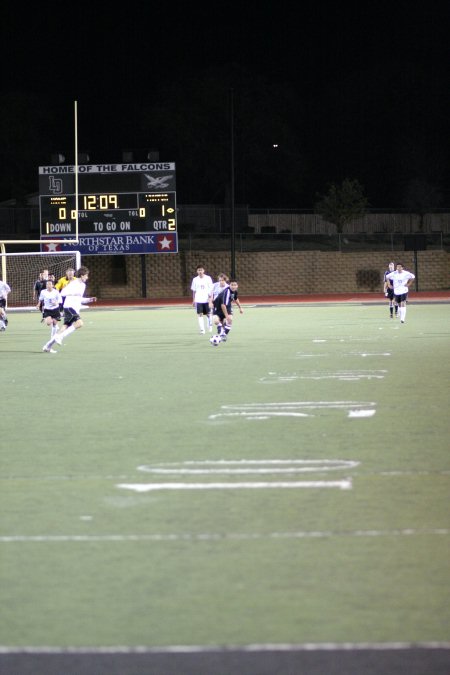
x=289, y=486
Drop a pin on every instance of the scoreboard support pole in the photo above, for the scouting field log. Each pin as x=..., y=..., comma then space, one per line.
x=75, y=110
x=143, y=276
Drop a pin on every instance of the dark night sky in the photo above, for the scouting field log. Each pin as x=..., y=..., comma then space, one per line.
x=367, y=88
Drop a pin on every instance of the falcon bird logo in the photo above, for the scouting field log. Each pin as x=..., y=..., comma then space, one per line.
x=158, y=183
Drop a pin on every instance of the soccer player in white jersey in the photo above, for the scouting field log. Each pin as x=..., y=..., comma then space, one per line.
x=401, y=280
x=72, y=296
x=4, y=290
x=63, y=281
x=201, y=288
x=50, y=299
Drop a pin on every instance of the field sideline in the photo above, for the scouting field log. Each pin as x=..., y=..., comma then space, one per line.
x=276, y=504
x=377, y=298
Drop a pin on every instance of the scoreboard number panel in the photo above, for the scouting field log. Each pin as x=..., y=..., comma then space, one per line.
x=112, y=199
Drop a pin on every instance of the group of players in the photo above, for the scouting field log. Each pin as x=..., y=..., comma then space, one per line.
x=213, y=303
x=395, y=287
x=65, y=296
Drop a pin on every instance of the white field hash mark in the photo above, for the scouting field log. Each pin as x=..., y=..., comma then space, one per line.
x=345, y=484
x=303, y=355
x=264, y=411
x=243, y=467
x=342, y=375
x=248, y=466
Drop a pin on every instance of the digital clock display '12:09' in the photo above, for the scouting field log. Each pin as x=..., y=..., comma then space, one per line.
x=107, y=202
x=102, y=202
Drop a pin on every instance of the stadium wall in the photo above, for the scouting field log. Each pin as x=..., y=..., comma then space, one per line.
x=297, y=272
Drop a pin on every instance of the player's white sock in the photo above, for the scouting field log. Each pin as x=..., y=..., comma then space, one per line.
x=54, y=330
x=403, y=313
x=67, y=332
x=201, y=323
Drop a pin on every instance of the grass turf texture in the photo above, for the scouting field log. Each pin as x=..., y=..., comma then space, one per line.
x=87, y=563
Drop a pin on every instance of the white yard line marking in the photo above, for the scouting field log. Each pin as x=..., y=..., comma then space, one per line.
x=195, y=649
x=342, y=375
x=345, y=484
x=301, y=355
x=368, y=354
x=211, y=536
x=347, y=338
x=264, y=411
x=361, y=413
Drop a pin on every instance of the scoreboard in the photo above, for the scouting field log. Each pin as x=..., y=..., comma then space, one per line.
x=113, y=200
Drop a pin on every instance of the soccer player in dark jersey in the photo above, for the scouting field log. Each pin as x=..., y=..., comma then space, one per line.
x=40, y=285
x=223, y=312
x=388, y=290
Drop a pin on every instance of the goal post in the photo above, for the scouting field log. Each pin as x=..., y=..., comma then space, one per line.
x=21, y=271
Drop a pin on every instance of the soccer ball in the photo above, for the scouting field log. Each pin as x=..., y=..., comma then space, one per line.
x=215, y=340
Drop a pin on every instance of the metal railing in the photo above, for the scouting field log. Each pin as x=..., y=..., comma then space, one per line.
x=345, y=243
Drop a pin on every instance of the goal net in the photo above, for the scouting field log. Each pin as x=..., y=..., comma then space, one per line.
x=21, y=271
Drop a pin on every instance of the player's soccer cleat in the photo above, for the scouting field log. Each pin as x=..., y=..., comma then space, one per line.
x=210, y=329
x=48, y=349
x=202, y=332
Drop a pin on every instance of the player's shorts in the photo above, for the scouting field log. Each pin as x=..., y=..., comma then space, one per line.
x=53, y=313
x=202, y=307
x=70, y=316
x=390, y=293
x=401, y=297
x=219, y=314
